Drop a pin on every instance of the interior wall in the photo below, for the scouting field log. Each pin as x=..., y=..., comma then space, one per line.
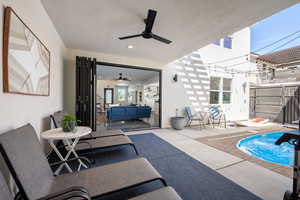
x=17, y=110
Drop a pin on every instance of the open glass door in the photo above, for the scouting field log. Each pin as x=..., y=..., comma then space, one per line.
x=128, y=97
x=86, y=91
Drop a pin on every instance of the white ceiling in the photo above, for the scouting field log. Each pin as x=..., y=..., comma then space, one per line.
x=95, y=25
x=135, y=75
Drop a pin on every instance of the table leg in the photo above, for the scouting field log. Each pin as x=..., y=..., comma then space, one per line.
x=61, y=158
x=72, y=150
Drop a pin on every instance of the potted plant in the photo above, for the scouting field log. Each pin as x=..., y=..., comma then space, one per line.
x=178, y=122
x=69, y=123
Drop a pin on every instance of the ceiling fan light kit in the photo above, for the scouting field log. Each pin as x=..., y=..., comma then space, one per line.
x=147, y=33
x=121, y=78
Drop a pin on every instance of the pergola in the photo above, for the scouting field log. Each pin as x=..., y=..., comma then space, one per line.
x=281, y=59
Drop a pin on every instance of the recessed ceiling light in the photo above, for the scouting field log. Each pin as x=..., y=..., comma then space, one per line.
x=129, y=46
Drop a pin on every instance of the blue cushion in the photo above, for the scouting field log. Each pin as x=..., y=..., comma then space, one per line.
x=128, y=112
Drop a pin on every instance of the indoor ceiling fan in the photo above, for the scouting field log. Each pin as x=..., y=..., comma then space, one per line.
x=147, y=33
x=121, y=78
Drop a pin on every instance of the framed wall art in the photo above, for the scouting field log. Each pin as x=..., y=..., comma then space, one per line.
x=26, y=60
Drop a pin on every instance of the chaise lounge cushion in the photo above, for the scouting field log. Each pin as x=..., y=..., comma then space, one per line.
x=5, y=194
x=108, y=178
x=166, y=193
x=28, y=160
x=105, y=142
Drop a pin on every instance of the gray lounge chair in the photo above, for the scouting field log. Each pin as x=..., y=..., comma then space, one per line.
x=73, y=192
x=166, y=193
x=29, y=167
x=58, y=116
x=96, y=140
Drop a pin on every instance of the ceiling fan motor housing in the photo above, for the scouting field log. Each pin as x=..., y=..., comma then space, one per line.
x=147, y=35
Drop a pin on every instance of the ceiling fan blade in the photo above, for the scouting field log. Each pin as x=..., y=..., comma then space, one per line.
x=150, y=20
x=161, y=39
x=130, y=36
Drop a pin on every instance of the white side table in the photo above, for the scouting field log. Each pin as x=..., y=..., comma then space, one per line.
x=71, y=139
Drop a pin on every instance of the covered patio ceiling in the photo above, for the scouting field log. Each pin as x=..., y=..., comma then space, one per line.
x=95, y=25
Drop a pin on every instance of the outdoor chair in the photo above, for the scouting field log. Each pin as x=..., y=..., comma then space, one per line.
x=96, y=140
x=24, y=157
x=216, y=116
x=194, y=117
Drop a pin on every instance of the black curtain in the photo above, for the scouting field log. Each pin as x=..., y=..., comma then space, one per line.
x=86, y=91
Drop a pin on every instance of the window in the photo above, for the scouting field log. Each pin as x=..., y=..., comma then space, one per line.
x=217, y=42
x=121, y=94
x=228, y=42
x=220, y=90
x=227, y=90
x=214, y=90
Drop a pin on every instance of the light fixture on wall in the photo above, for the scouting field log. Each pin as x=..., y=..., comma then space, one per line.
x=129, y=47
x=175, y=78
x=244, y=86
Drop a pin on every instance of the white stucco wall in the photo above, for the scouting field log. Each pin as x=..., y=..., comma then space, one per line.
x=17, y=110
x=192, y=88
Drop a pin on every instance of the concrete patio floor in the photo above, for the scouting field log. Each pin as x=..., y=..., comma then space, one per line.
x=263, y=182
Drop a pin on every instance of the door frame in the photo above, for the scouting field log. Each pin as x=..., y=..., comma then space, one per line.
x=112, y=95
x=141, y=68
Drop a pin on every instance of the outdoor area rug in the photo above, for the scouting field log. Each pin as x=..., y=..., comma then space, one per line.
x=190, y=178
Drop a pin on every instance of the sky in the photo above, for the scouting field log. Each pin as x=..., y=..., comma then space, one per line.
x=274, y=28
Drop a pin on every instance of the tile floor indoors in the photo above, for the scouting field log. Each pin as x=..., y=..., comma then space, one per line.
x=263, y=182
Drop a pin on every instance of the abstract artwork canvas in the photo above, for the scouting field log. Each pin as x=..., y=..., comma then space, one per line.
x=26, y=60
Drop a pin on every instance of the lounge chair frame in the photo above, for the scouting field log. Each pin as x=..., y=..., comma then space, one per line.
x=91, y=135
x=85, y=140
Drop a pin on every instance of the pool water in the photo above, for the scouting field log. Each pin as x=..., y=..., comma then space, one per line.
x=263, y=147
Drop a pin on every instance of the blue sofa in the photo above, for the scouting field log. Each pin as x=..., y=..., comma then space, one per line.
x=128, y=112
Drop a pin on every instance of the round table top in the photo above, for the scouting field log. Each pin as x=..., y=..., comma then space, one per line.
x=58, y=134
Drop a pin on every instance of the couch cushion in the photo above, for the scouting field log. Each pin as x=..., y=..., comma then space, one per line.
x=128, y=112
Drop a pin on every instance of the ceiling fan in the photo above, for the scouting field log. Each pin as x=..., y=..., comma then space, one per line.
x=147, y=33
x=121, y=78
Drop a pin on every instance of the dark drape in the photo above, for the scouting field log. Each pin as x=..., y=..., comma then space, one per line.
x=86, y=91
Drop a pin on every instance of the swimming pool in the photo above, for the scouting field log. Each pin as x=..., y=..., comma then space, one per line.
x=263, y=147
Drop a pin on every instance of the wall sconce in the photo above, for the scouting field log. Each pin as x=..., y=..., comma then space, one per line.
x=244, y=86
x=175, y=78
